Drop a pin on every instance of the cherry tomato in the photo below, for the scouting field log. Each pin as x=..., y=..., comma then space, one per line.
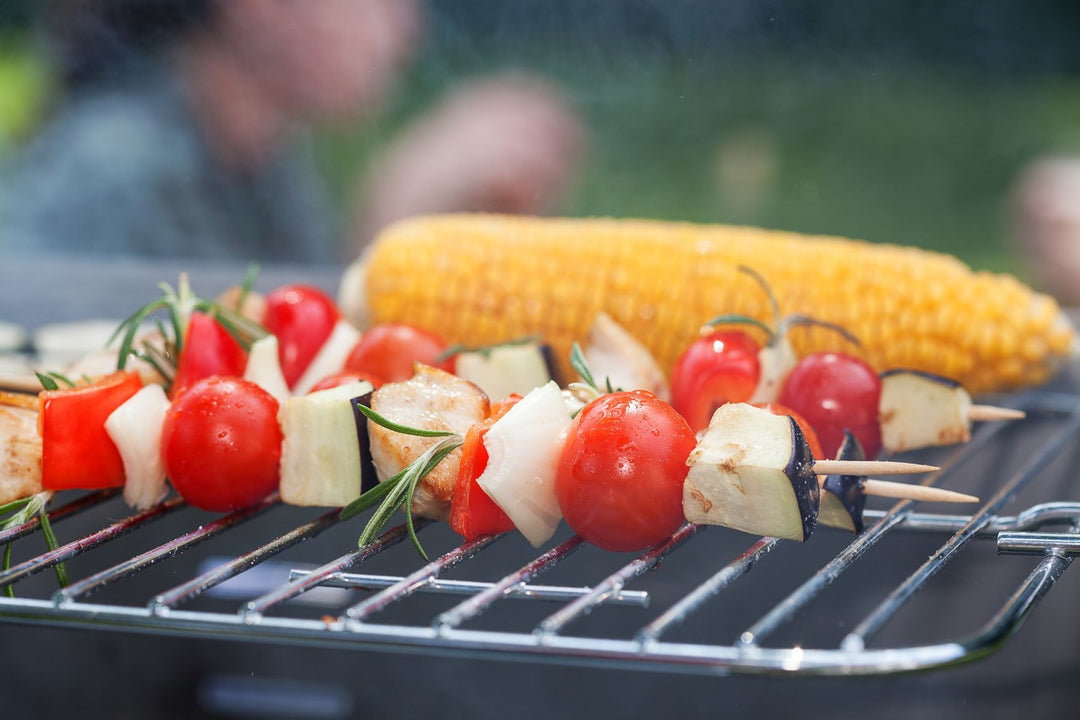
x=834, y=391
x=390, y=351
x=302, y=317
x=620, y=477
x=807, y=431
x=221, y=444
x=76, y=450
x=345, y=378
x=208, y=350
x=717, y=368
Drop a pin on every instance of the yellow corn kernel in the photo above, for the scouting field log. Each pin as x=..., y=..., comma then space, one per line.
x=480, y=279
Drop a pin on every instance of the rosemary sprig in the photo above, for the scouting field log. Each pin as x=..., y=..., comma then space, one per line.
x=8, y=590
x=581, y=366
x=246, y=286
x=397, y=427
x=370, y=498
x=12, y=506
x=587, y=390
x=52, y=380
x=177, y=305
x=397, y=491
x=20, y=512
x=243, y=329
x=24, y=509
x=403, y=490
x=52, y=543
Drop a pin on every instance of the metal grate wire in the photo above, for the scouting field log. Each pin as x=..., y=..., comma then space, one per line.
x=553, y=638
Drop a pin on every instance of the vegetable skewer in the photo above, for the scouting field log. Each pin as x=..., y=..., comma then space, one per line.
x=918, y=409
x=754, y=471
x=432, y=491
x=843, y=497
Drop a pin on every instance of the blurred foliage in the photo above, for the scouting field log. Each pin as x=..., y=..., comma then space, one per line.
x=912, y=155
x=900, y=121
x=24, y=89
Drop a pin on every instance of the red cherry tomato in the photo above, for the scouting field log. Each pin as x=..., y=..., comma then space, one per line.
x=717, y=368
x=208, y=350
x=390, y=351
x=807, y=431
x=834, y=391
x=221, y=444
x=345, y=378
x=76, y=450
x=302, y=317
x=620, y=476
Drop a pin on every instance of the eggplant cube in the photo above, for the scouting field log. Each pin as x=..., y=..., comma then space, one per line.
x=920, y=410
x=320, y=454
x=842, y=497
x=753, y=471
x=505, y=369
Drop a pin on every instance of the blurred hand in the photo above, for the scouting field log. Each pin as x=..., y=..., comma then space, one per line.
x=507, y=145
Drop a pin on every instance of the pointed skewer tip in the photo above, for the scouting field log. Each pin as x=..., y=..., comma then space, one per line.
x=870, y=467
x=980, y=413
x=906, y=491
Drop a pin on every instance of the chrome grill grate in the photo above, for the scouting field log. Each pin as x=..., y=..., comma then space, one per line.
x=1003, y=463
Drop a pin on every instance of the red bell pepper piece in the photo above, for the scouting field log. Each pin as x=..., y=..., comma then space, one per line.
x=208, y=349
x=76, y=452
x=472, y=512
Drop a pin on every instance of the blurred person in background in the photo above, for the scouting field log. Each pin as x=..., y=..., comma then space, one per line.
x=181, y=132
x=1046, y=224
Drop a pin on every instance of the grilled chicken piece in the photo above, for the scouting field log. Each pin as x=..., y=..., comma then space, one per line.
x=20, y=447
x=431, y=400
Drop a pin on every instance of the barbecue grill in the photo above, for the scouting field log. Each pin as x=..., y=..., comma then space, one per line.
x=554, y=638
x=918, y=591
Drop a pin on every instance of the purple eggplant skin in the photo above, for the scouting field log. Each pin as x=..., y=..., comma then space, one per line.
x=548, y=354
x=947, y=382
x=368, y=478
x=848, y=489
x=804, y=481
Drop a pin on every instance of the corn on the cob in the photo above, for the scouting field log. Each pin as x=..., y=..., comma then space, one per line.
x=480, y=279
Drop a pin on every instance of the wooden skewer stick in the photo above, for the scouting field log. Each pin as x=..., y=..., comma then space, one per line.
x=906, y=491
x=978, y=413
x=870, y=467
